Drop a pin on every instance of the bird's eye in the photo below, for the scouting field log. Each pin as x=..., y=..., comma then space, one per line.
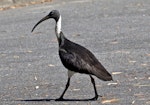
x=52, y=13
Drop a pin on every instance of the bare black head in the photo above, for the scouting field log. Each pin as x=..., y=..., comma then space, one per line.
x=53, y=14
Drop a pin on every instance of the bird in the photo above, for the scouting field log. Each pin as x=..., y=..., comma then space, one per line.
x=76, y=58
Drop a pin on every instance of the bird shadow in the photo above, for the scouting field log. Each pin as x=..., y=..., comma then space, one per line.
x=47, y=100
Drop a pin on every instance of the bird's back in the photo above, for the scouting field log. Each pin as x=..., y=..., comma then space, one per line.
x=79, y=59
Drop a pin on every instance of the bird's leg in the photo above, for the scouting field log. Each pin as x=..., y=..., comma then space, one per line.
x=96, y=94
x=67, y=85
x=70, y=73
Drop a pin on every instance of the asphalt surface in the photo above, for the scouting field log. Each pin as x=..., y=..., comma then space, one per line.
x=116, y=31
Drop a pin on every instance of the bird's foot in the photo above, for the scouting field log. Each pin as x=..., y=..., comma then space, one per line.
x=60, y=99
x=95, y=98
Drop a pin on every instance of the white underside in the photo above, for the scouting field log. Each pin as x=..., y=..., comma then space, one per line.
x=70, y=73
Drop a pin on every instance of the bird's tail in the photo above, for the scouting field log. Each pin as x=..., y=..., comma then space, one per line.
x=103, y=75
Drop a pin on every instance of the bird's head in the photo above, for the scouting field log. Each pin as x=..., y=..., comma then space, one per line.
x=53, y=14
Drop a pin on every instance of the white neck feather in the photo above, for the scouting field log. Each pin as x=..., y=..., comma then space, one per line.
x=58, y=27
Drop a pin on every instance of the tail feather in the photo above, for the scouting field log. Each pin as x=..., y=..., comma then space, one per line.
x=105, y=77
x=103, y=74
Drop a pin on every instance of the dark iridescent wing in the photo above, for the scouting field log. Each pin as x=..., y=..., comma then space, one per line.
x=83, y=61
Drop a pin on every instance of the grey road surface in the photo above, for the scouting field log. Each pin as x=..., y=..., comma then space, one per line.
x=116, y=31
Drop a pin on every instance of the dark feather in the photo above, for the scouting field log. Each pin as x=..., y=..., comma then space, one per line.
x=79, y=59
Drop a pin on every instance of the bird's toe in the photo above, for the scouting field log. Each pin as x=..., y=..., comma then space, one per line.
x=94, y=98
x=59, y=99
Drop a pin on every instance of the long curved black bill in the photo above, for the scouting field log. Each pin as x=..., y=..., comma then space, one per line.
x=43, y=19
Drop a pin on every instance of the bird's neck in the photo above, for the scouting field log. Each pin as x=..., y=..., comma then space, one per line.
x=62, y=39
x=58, y=27
x=60, y=36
